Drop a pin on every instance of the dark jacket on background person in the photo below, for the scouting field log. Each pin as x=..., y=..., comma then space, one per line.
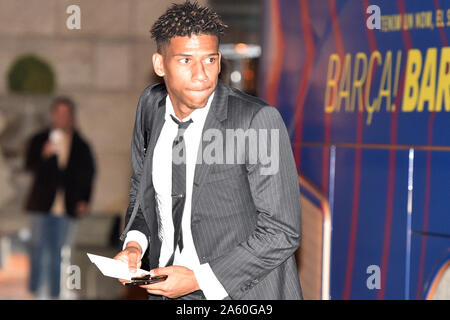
x=75, y=180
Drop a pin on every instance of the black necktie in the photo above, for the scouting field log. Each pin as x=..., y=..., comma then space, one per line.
x=178, y=184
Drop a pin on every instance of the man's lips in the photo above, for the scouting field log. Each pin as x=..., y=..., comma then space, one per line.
x=199, y=90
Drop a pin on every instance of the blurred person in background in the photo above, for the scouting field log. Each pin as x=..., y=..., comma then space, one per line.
x=63, y=169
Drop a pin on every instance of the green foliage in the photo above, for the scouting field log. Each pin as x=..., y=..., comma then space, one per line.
x=31, y=74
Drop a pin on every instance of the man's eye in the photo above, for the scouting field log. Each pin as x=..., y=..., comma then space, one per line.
x=185, y=60
x=210, y=60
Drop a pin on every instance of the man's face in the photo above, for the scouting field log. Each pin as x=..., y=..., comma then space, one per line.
x=62, y=117
x=190, y=67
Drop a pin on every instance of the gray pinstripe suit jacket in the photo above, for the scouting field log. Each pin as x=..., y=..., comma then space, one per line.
x=244, y=224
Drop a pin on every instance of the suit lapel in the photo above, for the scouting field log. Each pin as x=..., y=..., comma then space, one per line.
x=216, y=115
x=157, y=122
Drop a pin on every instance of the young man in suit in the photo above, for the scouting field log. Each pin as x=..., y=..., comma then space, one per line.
x=221, y=224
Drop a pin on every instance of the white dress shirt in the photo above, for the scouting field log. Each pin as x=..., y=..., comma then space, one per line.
x=162, y=182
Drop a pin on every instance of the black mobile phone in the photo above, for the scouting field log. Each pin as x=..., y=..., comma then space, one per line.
x=139, y=281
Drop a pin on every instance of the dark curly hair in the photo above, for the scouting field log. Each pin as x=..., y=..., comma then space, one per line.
x=184, y=20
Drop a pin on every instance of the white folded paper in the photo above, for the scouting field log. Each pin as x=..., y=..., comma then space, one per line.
x=114, y=268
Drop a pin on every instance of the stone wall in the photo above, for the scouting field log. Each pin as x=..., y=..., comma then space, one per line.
x=104, y=67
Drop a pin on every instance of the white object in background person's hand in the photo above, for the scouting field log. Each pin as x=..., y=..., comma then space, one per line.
x=56, y=139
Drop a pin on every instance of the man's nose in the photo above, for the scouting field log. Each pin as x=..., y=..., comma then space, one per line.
x=198, y=72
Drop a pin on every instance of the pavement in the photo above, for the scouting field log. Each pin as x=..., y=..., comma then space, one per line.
x=14, y=278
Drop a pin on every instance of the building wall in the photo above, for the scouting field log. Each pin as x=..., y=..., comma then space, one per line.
x=104, y=67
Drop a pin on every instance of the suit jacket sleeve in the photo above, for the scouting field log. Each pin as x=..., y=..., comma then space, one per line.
x=278, y=226
x=137, y=163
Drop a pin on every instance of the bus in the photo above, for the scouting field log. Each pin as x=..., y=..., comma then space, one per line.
x=364, y=89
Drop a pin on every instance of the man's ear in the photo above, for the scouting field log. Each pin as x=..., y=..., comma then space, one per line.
x=158, y=64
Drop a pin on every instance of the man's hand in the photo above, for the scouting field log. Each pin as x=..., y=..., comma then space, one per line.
x=48, y=150
x=180, y=281
x=131, y=256
x=82, y=208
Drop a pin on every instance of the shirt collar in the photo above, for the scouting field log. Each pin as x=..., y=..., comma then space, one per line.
x=197, y=115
